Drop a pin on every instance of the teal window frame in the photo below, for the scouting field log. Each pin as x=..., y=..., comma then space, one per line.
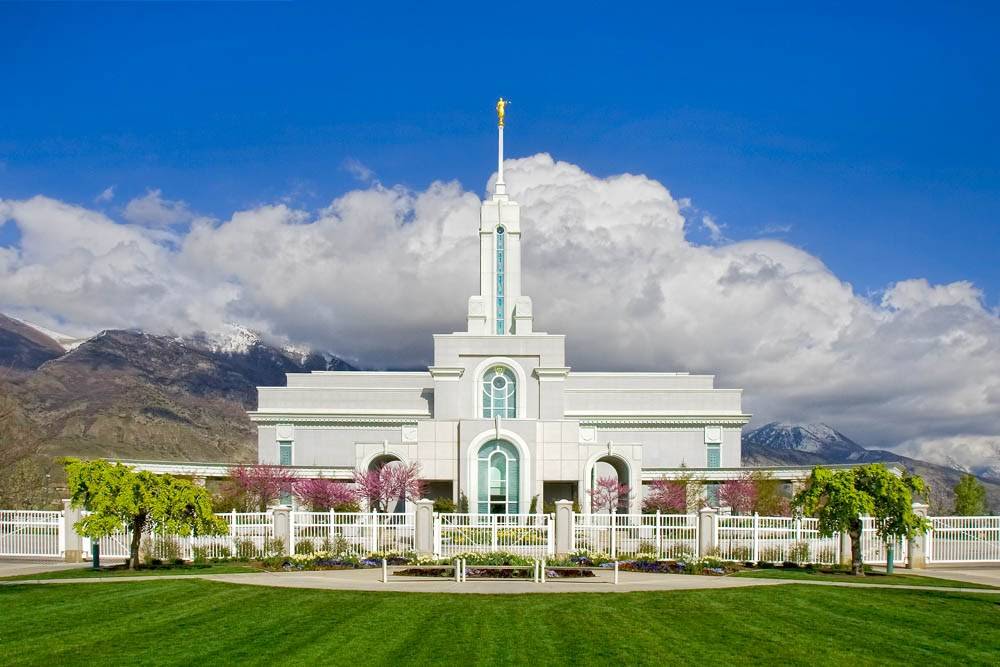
x=501, y=252
x=499, y=475
x=285, y=453
x=498, y=390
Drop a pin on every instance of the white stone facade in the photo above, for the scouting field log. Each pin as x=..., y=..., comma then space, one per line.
x=554, y=426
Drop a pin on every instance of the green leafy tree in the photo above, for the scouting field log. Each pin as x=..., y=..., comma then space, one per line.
x=970, y=497
x=839, y=500
x=115, y=495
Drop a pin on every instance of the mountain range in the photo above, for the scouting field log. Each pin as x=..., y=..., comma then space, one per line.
x=816, y=444
x=131, y=394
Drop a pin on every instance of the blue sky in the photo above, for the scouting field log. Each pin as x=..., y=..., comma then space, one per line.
x=866, y=136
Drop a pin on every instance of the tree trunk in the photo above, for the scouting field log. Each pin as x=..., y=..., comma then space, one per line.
x=857, y=566
x=137, y=525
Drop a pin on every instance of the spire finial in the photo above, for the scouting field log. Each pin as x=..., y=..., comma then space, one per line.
x=501, y=187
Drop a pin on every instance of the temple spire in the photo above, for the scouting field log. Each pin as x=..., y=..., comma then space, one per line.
x=501, y=187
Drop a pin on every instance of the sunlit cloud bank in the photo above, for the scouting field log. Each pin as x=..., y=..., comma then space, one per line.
x=608, y=261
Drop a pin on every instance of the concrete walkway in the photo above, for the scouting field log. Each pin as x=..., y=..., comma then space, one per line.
x=988, y=574
x=369, y=580
x=14, y=568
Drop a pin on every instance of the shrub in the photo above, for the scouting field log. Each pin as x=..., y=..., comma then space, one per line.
x=273, y=546
x=245, y=550
x=646, y=547
x=304, y=547
x=799, y=552
x=445, y=505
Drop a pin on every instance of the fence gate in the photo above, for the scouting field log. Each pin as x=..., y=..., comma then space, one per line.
x=30, y=533
x=633, y=535
x=525, y=534
x=964, y=539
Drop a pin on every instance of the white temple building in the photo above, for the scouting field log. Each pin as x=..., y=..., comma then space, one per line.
x=501, y=416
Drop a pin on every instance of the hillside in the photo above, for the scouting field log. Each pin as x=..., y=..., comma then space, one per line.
x=817, y=444
x=135, y=395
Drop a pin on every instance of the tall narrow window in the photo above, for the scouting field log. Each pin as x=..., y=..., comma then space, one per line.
x=501, y=252
x=714, y=457
x=499, y=393
x=714, y=461
x=499, y=478
x=284, y=453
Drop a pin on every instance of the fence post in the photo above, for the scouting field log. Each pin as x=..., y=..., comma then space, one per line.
x=493, y=532
x=71, y=543
x=658, y=533
x=423, y=528
x=291, y=532
x=373, y=523
x=918, y=549
x=564, y=527
x=756, y=537
x=232, y=533
x=613, y=521
x=708, y=535
x=330, y=533
x=281, y=527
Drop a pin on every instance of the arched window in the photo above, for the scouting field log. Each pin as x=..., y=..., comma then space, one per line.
x=499, y=393
x=499, y=478
x=501, y=251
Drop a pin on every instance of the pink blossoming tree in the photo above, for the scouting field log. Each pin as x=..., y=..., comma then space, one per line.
x=321, y=495
x=739, y=494
x=609, y=494
x=383, y=487
x=667, y=496
x=260, y=484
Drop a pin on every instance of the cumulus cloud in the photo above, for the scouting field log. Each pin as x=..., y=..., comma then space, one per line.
x=607, y=261
x=152, y=210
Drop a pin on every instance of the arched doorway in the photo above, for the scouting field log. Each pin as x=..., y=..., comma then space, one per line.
x=498, y=478
x=382, y=461
x=609, y=467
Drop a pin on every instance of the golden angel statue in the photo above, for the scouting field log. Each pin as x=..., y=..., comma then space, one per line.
x=501, y=106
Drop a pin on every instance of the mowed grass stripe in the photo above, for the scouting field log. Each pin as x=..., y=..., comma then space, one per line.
x=201, y=622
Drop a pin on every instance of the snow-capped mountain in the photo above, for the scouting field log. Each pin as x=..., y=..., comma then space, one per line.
x=778, y=443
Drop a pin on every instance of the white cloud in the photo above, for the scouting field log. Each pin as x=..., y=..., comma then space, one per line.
x=606, y=260
x=152, y=210
x=714, y=229
x=107, y=194
x=359, y=170
x=968, y=451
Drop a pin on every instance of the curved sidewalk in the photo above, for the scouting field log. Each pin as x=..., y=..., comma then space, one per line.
x=370, y=580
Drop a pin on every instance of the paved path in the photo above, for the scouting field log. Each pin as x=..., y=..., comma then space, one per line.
x=989, y=575
x=369, y=580
x=13, y=568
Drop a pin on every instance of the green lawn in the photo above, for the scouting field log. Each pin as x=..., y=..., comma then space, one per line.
x=870, y=578
x=193, y=621
x=86, y=572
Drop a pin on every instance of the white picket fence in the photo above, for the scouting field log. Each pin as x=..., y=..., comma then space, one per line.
x=774, y=539
x=525, y=534
x=633, y=535
x=30, y=533
x=964, y=539
x=248, y=535
x=359, y=533
x=952, y=539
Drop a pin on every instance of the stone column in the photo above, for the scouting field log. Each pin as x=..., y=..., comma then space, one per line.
x=423, y=538
x=73, y=552
x=916, y=547
x=280, y=515
x=708, y=518
x=564, y=527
